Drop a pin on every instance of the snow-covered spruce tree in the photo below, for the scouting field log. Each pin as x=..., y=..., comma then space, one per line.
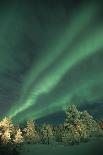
x=18, y=139
x=78, y=126
x=7, y=137
x=58, y=132
x=70, y=134
x=47, y=136
x=31, y=135
x=92, y=126
x=7, y=130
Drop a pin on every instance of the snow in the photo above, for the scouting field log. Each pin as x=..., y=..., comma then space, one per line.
x=94, y=147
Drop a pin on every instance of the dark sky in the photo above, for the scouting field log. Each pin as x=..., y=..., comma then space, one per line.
x=51, y=56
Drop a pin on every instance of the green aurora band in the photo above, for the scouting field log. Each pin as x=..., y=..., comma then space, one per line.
x=46, y=84
x=63, y=101
x=79, y=21
x=87, y=46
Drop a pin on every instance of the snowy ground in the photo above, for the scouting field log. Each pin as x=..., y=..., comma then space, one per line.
x=90, y=148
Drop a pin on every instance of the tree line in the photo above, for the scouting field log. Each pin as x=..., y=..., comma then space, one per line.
x=77, y=127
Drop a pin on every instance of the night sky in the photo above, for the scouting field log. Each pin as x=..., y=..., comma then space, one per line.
x=51, y=56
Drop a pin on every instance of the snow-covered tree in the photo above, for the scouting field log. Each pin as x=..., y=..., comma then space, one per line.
x=47, y=134
x=91, y=125
x=31, y=135
x=6, y=123
x=6, y=130
x=58, y=132
x=78, y=126
x=18, y=137
x=6, y=136
x=71, y=135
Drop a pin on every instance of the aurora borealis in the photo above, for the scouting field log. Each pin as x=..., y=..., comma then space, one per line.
x=51, y=55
